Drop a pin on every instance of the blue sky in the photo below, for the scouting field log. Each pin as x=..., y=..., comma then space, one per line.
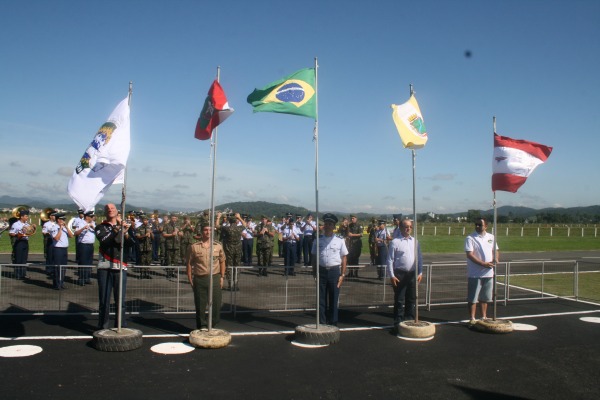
x=66, y=64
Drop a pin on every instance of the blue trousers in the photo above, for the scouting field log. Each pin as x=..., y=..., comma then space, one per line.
x=21, y=249
x=108, y=280
x=405, y=294
x=60, y=257
x=247, y=245
x=329, y=295
x=307, y=243
x=86, y=257
x=289, y=256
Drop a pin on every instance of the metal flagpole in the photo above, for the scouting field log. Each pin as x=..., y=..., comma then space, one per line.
x=316, y=140
x=415, y=230
x=494, y=243
x=212, y=218
x=123, y=200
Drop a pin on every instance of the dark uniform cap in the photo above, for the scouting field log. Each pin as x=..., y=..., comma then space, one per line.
x=232, y=218
x=330, y=217
x=381, y=221
x=61, y=216
x=23, y=212
x=397, y=216
x=80, y=211
x=89, y=214
x=289, y=215
x=53, y=213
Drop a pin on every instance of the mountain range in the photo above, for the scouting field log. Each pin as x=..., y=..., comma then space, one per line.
x=257, y=208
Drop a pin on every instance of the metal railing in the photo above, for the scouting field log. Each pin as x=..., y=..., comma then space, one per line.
x=442, y=284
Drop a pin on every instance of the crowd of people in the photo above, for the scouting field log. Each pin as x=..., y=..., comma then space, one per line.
x=162, y=240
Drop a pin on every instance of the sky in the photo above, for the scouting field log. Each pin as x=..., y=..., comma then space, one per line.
x=65, y=65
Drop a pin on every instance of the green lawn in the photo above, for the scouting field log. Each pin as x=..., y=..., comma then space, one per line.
x=562, y=284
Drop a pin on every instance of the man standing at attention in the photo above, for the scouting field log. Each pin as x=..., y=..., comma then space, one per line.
x=332, y=269
x=108, y=234
x=355, y=232
x=401, y=270
x=198, y=272
x=480, y=268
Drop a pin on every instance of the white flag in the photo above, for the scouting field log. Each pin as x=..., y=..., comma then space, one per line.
x=104, y=161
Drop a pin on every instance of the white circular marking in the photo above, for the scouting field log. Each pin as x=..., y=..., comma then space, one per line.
x=523, y=327
x=410, y=339
x=22, y=350
x=595, y=320
x=308, y=346
x=172, y=348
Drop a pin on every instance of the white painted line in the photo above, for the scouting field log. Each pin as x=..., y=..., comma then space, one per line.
x=266, y=333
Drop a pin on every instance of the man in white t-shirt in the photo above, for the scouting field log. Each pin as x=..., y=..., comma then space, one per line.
x=480, y=268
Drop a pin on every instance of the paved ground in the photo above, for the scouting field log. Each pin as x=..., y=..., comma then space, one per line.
x=561, y=359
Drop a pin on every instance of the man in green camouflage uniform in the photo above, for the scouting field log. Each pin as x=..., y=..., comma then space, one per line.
x=172, y=238
x=355, y=232
x=231, y=236
x=144, y=237
x=265, y=232
x=187, y=236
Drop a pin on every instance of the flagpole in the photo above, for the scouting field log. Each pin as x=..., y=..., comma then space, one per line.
x=415, y=230
x=316, y=140
x=123, y=201
x=494, y=242
x=212, y=219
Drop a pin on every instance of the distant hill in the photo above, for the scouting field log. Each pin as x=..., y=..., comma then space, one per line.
x=257, y=208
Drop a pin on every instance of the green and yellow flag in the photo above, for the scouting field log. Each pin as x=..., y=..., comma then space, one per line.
x=410, y=125
x=294, y=94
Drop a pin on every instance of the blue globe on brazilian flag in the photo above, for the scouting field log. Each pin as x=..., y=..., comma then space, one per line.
x=294, y=94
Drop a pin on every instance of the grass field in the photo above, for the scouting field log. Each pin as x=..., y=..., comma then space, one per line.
x=561, y=284
x=429, y=243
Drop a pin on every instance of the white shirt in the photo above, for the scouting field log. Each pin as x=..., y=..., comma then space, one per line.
x=331, y=250
x=17, y=227
x=481, y=246
x=401, y=255
x=64, y=237
x=47, y=226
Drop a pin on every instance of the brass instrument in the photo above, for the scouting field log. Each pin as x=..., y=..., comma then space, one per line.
x=16, y=212
x=45, y=215
x=29, y=229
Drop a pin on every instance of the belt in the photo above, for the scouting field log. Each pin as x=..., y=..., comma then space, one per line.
x=334, y=266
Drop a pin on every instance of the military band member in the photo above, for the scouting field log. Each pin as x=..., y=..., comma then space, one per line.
x=60, y=247
x=85, y=242
x=145, y=237
x=265, y=234
x=187, y=236
x=354, y=234
x=172, y=236
x=48, y=241
x=19, y=231
x=231, y=236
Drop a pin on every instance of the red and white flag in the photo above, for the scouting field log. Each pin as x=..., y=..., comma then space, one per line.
x=514, y=160
x=215, y=110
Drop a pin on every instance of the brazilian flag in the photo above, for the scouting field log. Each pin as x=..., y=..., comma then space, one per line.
x=294, y=94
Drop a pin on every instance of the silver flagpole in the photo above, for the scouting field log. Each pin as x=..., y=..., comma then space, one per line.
x=212, y=218
x=123, y=200
x=415, y=230
x=316, y=140
x=494, y=244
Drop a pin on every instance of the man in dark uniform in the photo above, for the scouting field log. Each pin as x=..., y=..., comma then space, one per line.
x=231, y=236
x=355, y=232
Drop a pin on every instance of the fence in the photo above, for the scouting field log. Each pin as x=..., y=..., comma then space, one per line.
x=442, y=284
